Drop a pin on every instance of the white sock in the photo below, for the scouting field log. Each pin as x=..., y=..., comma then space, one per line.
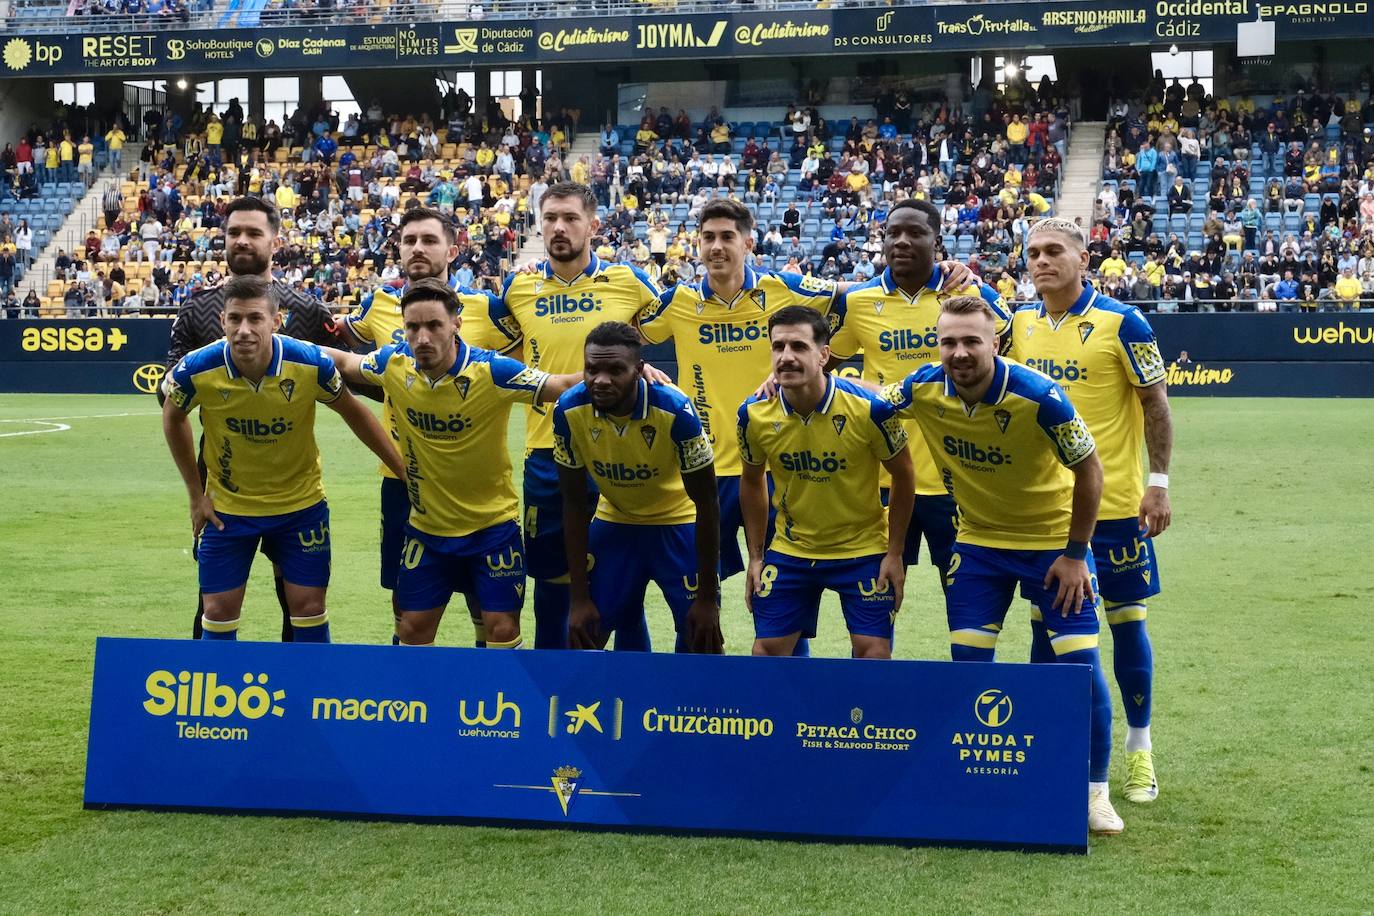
x=1097, y=787
x=1137, y=739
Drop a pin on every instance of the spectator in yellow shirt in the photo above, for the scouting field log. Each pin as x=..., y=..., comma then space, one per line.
x=1348, y=290
x=1113, y=267
x=114, y=141
x=66, y=154
x=857, y=182
x=720, y=138
x=486, y=157
x=214, y=137
x=85, y=160
x=1017, y=132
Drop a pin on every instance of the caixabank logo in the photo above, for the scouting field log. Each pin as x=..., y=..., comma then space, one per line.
x=203, y=708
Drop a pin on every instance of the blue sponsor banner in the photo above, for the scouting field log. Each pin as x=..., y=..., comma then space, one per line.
x=904, y=752
x=281, y=46
x=1206, y=378
x=1313, y=337
x=90, y=356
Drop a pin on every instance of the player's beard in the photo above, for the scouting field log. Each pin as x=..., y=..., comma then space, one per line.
x=248, y=263
x=573, y=252
x=426, y=270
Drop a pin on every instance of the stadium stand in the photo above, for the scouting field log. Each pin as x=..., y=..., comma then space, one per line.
x=819, y=191
x=1237, y=204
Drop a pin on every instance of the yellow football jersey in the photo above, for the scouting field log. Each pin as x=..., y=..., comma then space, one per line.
x=452, y=434
x=896, y=334
x=378, y=322
x=260, y=452
x=825, y=469
x=723, y=354
x=1100, y=351
x=1006, y=459
x=637, y=462
x=552, y=318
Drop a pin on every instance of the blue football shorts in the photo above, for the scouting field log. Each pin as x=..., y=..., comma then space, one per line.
x=297, y=541
x=788, y=599
x=488, y=565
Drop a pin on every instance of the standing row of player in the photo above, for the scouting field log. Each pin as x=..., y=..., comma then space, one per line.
x=676, y=485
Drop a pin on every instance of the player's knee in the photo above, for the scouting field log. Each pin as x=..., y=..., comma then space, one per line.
x=221, y=606
x=778, y=646
x=417, y=628
x=871, y=647
x=501, y=628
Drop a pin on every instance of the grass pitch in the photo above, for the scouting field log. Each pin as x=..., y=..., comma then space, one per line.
x=1262, y=729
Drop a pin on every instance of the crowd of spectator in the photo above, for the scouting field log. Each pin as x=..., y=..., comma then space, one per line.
x=992, y=165
x=341, y=188
x=1237, y=203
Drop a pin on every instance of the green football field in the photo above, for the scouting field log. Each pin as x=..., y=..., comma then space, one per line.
x=1263, y=727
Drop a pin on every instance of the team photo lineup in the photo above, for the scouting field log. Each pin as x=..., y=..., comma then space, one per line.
x=855, y=418
x=835, y=481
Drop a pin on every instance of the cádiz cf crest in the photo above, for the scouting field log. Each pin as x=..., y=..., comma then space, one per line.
x=1085, y=331
x=1003, y=419
x=839, y=420
x=565, y=783
x=288, y=388
x=648, y=432
x=463, y=383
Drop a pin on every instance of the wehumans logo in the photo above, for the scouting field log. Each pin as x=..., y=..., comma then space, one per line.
x=314, y=538
x=993, y=708
x=1126, y=556
x=479, y=714
x=873, y=588
x=200, y=695
x=367, y=710
x=481, y=725
x=506, y=559
x=1342, y=333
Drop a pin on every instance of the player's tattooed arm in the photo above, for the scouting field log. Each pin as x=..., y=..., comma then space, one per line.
x=1155, y=512
x=1070, y=569
x=584, y=620
x=176, y=428
x=703, y=617
x=366, y=427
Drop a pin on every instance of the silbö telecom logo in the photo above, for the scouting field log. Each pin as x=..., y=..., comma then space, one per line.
x=192, y=695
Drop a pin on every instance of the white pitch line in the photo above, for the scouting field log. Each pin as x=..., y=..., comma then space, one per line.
x=52, y=428
x=92, y=416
